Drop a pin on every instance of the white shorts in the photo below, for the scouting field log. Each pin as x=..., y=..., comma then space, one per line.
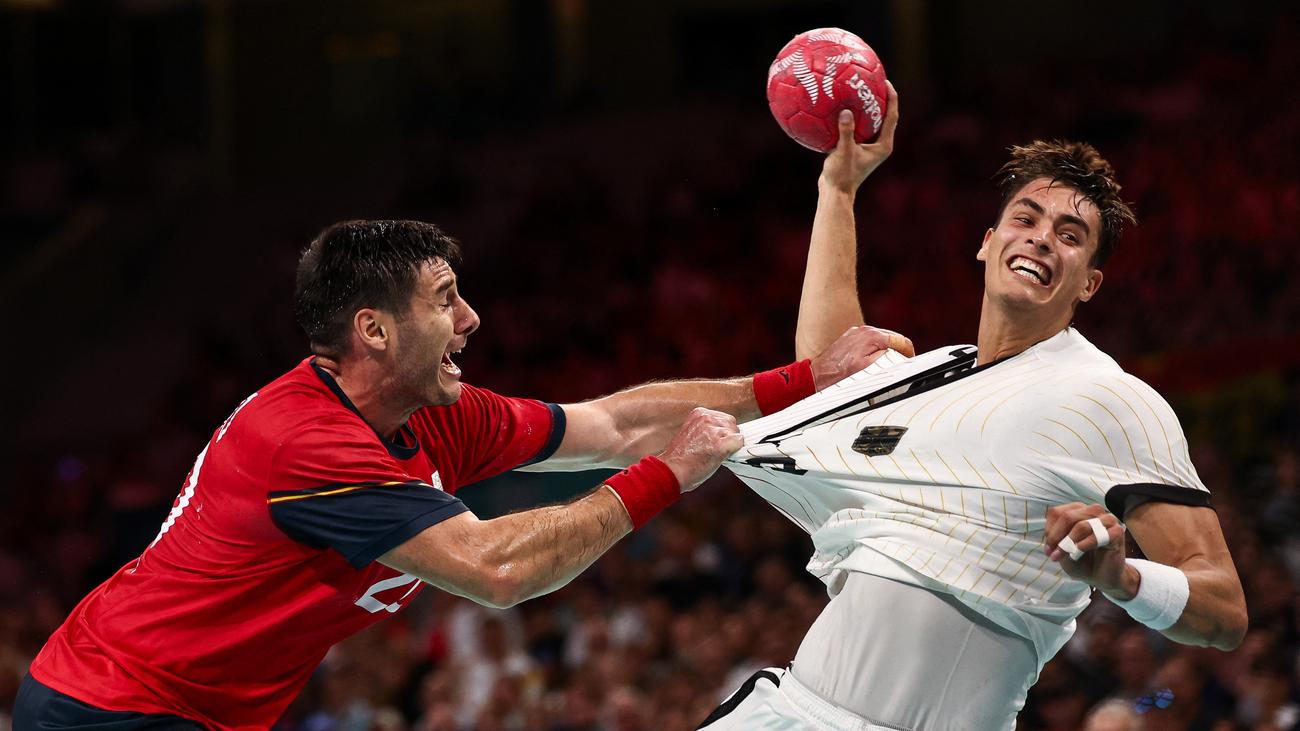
x=772, y=700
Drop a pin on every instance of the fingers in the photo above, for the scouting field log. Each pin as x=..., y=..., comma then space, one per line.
x=891, y=118
x=900, y=343
x=1075, y=529
x=1061, y=518
x=720, y=430
x=883, y=338
x=1085, y=538
x=705, y=439
x=847, y=139
x=732, y=442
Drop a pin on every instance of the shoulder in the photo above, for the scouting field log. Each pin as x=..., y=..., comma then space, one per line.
x=1084, y=376
x=1069, y=350
x=298, y=412
x=1105, y=387
x=290, y=410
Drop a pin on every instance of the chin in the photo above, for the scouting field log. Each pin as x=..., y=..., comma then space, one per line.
x=1019, y=300
x=447, y=395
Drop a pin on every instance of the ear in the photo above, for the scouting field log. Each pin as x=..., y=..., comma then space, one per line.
x=372, y=328
x=983, y=253
x=1091, y=286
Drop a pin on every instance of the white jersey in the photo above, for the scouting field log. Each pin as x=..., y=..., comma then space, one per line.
x=939, y=473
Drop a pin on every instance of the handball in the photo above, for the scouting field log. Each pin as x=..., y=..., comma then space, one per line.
x=815, y=76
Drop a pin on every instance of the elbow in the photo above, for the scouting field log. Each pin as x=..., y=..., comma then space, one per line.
x=499, y=586
x=1232, y=631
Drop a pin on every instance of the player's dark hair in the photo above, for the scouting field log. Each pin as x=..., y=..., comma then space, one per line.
x=356, y=264
x=1079, y=166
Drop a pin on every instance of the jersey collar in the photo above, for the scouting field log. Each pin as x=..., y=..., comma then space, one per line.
x=404, y=432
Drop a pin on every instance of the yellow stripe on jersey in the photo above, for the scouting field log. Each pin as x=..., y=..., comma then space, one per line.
x=1151, y=450
x=336, y=491
x=1168, y=443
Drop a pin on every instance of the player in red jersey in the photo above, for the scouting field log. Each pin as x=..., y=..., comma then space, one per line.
x=327, y=498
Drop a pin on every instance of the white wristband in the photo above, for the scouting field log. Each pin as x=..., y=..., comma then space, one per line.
x=1162, y=595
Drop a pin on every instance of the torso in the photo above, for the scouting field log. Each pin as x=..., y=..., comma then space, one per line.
x=224, y=616
x=948, y=487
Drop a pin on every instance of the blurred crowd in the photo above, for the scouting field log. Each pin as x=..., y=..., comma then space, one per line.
x=604, y=252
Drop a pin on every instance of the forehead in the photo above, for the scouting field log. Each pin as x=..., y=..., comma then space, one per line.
x=1057, y=199
x=436, y=273
x=433, y=280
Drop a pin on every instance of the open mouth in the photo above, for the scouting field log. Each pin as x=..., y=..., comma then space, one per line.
x=449, y=367
x=1031, y=270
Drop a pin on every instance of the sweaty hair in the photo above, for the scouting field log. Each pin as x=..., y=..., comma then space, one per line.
x=356, y=264
x=1077, y=165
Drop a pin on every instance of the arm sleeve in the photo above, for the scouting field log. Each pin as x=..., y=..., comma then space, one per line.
x=495, y=433
x=1115, y=440
x=333, y=485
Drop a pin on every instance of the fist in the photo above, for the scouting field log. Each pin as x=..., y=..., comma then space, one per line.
x=705, y=439
x=1088, y=542
x=856, y=349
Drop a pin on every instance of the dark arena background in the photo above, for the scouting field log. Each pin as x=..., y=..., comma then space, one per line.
x=629, y=211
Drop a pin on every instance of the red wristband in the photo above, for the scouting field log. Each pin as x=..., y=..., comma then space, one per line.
x=777, y=389
x=645, y=488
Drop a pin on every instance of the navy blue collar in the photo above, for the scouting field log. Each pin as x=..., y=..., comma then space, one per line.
x=404, y=432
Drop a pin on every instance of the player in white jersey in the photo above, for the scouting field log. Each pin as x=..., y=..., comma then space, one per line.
x=964, y=503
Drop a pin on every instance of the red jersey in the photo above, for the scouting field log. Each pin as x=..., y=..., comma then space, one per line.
x=267, y=557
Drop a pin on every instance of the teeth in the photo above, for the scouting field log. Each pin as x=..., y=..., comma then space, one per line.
x=1030, y=270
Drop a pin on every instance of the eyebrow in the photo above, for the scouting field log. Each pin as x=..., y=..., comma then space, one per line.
x=1066, y=217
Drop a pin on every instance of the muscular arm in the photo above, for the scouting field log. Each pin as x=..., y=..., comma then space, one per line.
x=1185, y=537
x=830, y=304
x=616, y=430
x=1190, y=539
x=619, y=429
x=506, y=560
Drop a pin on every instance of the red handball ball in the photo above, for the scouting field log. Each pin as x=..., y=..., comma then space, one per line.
x=815, y=76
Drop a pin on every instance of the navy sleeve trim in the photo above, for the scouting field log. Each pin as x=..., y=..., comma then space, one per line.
x=558, y=424
x=1118, y=502
x=361, y=521
x=406, y=532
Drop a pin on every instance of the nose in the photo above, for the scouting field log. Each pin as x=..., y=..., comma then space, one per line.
x=468, y=321
x=1039, y=242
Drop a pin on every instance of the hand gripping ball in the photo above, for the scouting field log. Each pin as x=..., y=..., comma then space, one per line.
x=815, y=76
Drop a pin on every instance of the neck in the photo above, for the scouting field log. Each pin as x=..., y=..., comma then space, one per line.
x=370, y=388
x=1005, y=332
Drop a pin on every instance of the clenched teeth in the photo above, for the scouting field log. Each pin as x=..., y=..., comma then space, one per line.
x=1031, y=270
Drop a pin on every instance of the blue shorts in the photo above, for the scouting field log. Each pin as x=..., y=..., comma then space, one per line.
x=41, y=708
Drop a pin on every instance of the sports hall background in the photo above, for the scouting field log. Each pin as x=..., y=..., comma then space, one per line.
x=629, y=211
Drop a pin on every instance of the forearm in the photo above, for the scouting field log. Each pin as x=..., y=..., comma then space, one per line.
x=1214, y=615
x=829, y=304
x=538, y=551
x=1206, y=621
x=1189, y=540
x=619, y=429
x=647, y=416
x=504, y=561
